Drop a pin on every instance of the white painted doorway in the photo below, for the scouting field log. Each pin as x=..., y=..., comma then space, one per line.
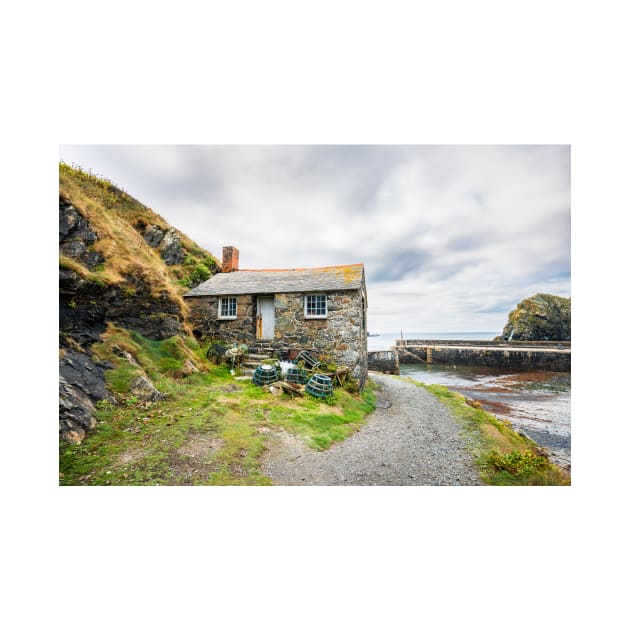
x=266, y=318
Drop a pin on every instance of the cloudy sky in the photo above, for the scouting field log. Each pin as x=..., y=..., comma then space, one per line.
x=452, y=237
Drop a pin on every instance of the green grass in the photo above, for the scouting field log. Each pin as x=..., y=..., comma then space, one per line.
x=200, y=435
x=159, y=359
x=210, y=429
x=504, y=457
x=320, y=425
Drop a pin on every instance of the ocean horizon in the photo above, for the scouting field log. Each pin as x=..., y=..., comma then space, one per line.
x=385, y=340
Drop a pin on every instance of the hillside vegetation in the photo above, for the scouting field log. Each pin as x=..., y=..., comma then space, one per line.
x=120, y=263
x=125, y=246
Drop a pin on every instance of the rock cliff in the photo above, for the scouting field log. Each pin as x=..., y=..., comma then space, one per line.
x=541, y=317
x=120, y=263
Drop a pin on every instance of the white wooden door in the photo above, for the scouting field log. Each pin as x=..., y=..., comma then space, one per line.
x=266, y=313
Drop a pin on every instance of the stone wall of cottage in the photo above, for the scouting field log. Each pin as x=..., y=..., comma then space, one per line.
x=207, y=325
x=341, y=337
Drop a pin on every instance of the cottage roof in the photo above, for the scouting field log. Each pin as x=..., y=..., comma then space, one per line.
x=247, y=281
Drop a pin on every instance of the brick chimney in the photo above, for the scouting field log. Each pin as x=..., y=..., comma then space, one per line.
x=230, y=259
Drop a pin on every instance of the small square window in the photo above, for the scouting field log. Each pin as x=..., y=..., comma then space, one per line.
x=227, y=308
x=315, y=306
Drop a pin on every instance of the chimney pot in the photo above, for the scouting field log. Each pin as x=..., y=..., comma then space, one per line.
x=230, y=259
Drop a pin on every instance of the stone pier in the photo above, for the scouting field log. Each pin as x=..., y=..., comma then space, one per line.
x=516, y=355
x=385, y=361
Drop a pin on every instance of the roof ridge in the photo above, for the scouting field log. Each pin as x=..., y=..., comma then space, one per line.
x=300, y=280
x=307, y=268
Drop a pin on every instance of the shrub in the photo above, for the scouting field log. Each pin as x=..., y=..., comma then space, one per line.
x=199, y=274
x=516, y=463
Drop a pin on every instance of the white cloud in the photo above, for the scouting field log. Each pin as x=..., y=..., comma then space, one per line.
x=452, y=237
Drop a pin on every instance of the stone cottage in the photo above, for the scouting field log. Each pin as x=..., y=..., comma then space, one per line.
x=321, y=309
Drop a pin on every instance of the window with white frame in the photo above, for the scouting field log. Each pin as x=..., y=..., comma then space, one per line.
x=315, y=306
x=227, y=308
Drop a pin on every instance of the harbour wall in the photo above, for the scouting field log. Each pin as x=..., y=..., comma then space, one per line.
x=526, y=356
x=385, y=361
x=555, y=345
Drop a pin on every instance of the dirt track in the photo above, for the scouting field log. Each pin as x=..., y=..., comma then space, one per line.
x=410, y=439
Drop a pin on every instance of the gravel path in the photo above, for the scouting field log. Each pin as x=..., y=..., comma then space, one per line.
x=411, y=439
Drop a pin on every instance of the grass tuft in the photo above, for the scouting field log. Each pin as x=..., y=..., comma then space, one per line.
x=318, y=424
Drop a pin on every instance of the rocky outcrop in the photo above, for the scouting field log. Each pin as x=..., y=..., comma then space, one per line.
x=541, y=317
x=86, y=304
x=76, y=236
x=144, y=389
x=81, y=385
x=167, y=242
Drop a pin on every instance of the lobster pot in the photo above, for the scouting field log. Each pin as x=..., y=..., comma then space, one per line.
x=297, y=375
x=319, y=386
x=309, y=360
x=265, y=374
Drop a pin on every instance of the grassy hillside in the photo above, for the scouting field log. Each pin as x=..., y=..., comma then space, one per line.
x=120, y=221
x=119, y=263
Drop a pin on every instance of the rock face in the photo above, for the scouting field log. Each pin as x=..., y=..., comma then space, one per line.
x=167, y=242
x=76, y=236
x=143, y=388
x=85, y=306
x=81, y=384
x=541, y=317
